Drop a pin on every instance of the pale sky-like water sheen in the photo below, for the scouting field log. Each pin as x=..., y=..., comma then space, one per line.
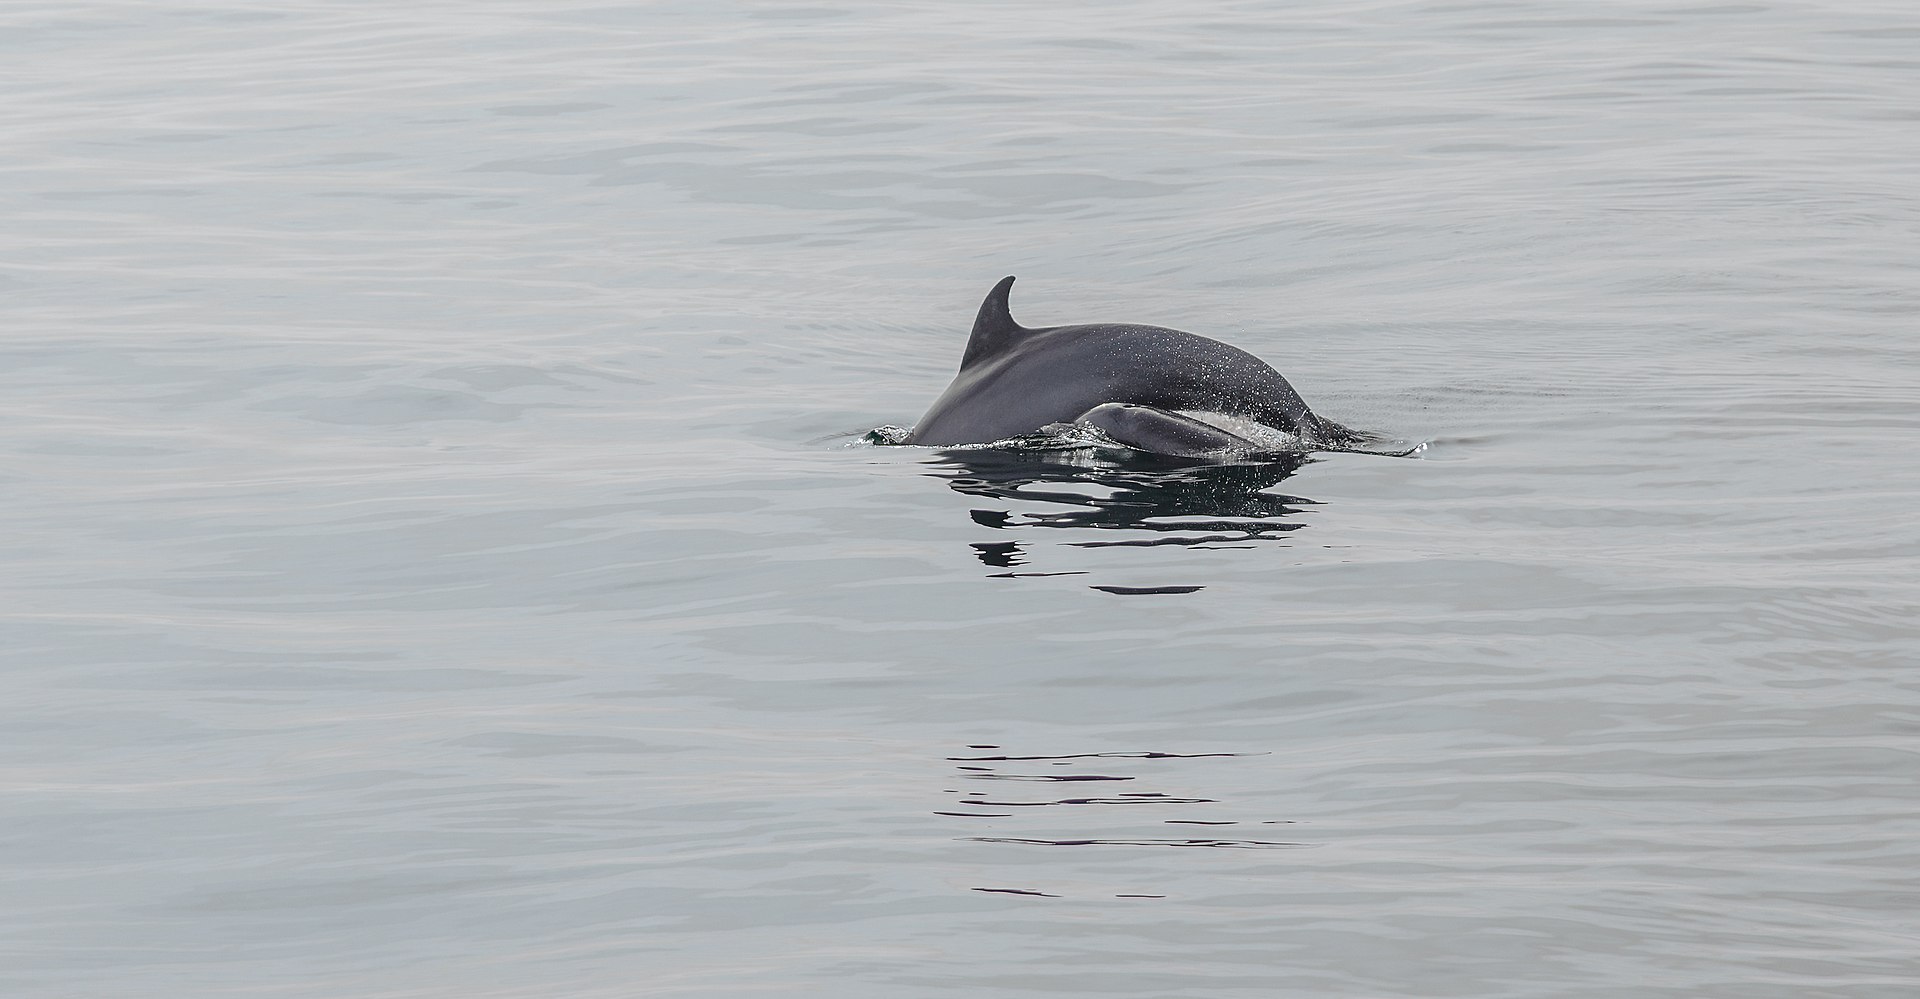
x=441, y=560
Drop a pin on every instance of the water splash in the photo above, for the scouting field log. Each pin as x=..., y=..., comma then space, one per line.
x=1263, y=441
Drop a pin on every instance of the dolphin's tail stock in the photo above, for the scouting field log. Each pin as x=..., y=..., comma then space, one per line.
x=1338, y=434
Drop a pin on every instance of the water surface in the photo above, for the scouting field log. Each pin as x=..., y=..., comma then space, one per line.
x=442, y=560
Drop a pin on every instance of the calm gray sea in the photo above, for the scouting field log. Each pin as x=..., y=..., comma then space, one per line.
x=442, y=558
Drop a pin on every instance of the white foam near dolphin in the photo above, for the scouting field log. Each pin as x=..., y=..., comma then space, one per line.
x=1138, y=385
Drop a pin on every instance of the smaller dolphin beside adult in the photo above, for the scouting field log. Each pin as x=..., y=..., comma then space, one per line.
x=1139, y=385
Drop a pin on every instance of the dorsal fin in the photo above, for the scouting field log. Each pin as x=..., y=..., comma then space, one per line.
x=993, y=328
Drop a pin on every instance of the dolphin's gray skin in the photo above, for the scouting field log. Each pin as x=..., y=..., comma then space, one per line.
x=1127, y=380
x=1161, y=432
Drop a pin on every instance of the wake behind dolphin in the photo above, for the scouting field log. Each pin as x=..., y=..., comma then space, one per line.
x=1141, y=386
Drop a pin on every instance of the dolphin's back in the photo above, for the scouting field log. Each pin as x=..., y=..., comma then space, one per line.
x=1054, y=375
x=1014, y=380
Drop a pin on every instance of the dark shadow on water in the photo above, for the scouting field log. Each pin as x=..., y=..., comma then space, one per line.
x=1122, y=499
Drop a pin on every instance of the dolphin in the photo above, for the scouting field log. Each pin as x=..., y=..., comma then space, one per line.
x=1137, y=384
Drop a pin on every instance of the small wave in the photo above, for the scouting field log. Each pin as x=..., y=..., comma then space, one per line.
x=1262, y=440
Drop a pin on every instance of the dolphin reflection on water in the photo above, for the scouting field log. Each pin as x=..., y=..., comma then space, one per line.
x=1157, y=500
